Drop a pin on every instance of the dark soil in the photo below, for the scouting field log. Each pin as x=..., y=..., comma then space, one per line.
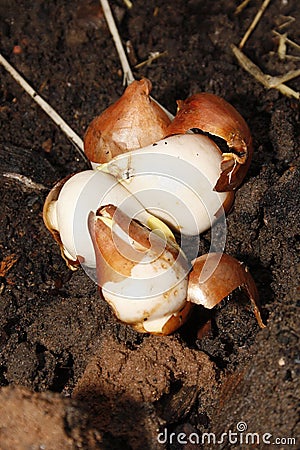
x=95, y=382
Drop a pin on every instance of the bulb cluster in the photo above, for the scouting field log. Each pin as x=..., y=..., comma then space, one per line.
x=154, y=176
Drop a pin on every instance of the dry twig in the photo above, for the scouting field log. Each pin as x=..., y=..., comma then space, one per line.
x=266, y=80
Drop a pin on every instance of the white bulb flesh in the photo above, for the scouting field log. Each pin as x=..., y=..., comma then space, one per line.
x=146, y=311
x=174, y=179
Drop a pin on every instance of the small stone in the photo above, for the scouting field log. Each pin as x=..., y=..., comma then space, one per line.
x=281, y=362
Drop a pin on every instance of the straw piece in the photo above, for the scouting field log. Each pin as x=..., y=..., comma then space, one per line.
x=241, y=7
x=286, y=39
x=287, y=22
x=254, y=22
x=153, y=56
x=128, y=76
x=26, y=181
x=128, y=3
x=276, y=81
x=266, y=80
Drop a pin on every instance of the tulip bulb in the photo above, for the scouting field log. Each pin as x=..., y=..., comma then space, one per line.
x=142, y=276
x=174, y=179
x=133, y=121
x=69, y=203
x=154, y=174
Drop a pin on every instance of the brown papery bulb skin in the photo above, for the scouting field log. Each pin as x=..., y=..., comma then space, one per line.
x=212, y=114
x=134, y=121
x=51, y=198
x=214, y=276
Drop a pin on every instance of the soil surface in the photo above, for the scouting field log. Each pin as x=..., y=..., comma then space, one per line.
x=72, y=376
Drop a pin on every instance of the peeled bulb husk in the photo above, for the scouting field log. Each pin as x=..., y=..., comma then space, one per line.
x=212, y=114
x=142, y=276
x=215, y=276
x=174, y=179
x=132, y=122
x=69, y=203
